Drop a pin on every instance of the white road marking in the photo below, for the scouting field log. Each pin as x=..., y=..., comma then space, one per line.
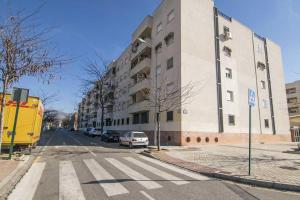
x=27, y=186
x=141, y=179
x=110, y=186
x=69, y=185
x=87, y=149
x=147, y=195
x=164, y=175
x=176, y=169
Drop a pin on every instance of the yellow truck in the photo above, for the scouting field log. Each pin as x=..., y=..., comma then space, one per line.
x=29, y=124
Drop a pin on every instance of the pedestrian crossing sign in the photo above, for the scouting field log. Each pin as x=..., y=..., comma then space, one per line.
x=251, y=97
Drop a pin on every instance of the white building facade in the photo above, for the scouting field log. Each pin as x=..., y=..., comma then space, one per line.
x=191, y=41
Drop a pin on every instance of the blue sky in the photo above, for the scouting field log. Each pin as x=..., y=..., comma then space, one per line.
x=83, y=27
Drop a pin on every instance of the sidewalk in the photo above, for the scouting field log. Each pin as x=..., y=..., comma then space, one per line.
x=273, y=165
x=11, y=171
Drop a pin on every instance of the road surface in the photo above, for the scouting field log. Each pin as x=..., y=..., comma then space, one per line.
x=71, y=166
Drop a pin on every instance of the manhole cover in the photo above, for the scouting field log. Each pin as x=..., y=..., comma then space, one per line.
x=289, y=168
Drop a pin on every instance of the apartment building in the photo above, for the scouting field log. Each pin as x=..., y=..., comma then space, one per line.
x=293, y=100
x=192, y=42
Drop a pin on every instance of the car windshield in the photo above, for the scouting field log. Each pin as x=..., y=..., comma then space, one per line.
x=139, y=135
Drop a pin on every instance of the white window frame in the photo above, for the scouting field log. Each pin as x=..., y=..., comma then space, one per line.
x=228, y=73
x=234, y=120
x=229, y=96
x=263, y=85
x=159, y=27
x=171, y=16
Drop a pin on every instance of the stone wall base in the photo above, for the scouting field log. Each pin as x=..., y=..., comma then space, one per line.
x=199, y=138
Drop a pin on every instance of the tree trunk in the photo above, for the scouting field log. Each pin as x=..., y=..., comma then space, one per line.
x=3, y=104
x=158, y=131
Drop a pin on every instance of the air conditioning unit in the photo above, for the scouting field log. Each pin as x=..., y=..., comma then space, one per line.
x=228, y=35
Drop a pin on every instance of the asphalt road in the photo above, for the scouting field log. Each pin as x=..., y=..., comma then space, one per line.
x=71, y=166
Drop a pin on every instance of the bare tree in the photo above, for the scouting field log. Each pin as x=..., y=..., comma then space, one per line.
x=168, y=97
x=98, y=85
x=24, y=51
x=47, y=98
x=51, y=118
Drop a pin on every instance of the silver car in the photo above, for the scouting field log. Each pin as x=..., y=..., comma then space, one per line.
x=134, y=138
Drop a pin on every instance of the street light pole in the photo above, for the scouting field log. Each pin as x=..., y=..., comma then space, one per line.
x=157, y=115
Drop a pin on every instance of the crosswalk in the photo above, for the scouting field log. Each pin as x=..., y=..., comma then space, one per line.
x=138, y=169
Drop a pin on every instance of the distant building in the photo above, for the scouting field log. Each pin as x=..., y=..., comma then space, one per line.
x=293, y=100
x=74, y=121
x=187, y=41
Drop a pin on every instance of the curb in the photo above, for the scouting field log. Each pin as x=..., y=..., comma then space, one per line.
x=233, y=178
x=9, y=182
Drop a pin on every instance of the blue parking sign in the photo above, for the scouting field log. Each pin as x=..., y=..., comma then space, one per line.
x=251, y=98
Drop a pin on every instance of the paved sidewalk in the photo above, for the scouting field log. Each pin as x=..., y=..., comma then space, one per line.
x=270, y=162
x=11, y=171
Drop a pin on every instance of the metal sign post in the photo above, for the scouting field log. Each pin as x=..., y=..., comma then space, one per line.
x=251, y=103
x=19, y=95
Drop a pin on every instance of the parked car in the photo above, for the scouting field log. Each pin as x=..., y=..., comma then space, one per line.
x=134, y=138
x=94, y=132
x=110, y=136
x=87, y=130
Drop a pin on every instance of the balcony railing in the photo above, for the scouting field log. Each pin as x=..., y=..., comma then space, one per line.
x=142, y=84
x=139, y=106
x=138, y=47
x=145, y=63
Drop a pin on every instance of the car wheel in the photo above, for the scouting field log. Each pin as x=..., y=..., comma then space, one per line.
x=146, y=146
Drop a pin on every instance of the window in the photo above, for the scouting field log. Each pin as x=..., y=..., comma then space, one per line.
x=114, y=122
x=227, y=34
x=158, y=47
x=169, y=39
x=226, y=30
x=227, y=51
x=291, y=90
x=229, y=95
x=231, y=120
x=228, y=73
x=263, y=84
x=266, y=123
x=118, y=122
x=145, y=118
x=293, y=110
x=170, y=63
x=135, y=118
x=171, y=16
x=159, y=27
x=292, y=100
x=123, y=121
x=170, y=116
x=170, y=88
x=127, y=121
x=261, y=66
x=158, y=70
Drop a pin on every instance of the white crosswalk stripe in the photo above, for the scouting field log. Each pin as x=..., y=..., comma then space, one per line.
x=141, y=179
x=29, y=183
x=176, y=169
x=106, y=180
x=165, y=175
x=69, y=185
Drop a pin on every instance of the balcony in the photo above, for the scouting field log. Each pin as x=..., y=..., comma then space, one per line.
x=139, y=106
x=142, y=65
x=138, y=47
x=142, y=84
x=144, y=29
